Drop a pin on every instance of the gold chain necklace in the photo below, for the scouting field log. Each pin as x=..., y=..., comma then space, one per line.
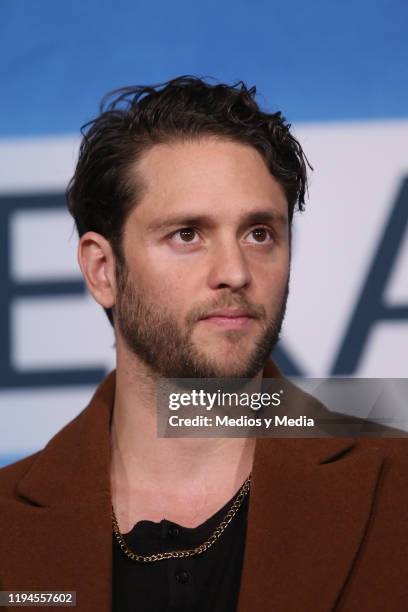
x=177, y=554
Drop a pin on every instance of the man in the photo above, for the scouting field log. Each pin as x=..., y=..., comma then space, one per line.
x=183, y=197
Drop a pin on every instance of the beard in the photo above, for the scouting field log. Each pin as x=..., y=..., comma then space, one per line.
x=152, y=334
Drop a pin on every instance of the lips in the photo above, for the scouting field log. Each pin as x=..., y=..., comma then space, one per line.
x=229, y=318
x=229, y=313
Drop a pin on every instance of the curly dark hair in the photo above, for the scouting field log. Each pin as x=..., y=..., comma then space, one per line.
x=101, y=193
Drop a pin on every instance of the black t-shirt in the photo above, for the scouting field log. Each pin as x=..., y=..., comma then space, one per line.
x=204, y=583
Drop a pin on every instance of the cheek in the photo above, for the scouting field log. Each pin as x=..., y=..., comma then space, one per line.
x=273, y=271
x=170, y=291
x=274, y=288
x=174, y=279
x=270, y=287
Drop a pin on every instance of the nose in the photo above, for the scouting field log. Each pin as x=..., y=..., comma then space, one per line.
x=229, y=268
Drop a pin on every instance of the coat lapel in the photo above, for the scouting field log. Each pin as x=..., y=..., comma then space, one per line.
x=307, y=516
x=309, y=509
x=68, y=524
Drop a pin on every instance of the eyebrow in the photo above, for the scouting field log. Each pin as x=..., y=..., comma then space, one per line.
x=187, y=220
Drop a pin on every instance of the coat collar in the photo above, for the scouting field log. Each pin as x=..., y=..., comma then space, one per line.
x=307, y=516
x=60, y=473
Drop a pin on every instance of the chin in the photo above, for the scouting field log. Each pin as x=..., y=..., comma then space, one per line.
x=229, y=369
x=225, y=360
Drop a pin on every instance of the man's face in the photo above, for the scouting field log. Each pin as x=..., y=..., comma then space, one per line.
x=204, y=290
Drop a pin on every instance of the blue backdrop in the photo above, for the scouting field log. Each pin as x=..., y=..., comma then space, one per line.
x=317, y=60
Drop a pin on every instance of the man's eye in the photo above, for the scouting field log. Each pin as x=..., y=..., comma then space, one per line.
x=186, y=235
x=261, y=235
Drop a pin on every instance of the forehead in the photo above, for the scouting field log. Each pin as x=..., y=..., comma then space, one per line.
x=211, y=175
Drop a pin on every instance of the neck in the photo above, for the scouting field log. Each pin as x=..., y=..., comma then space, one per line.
x=142, y=462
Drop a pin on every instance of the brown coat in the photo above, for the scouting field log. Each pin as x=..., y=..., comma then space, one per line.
x=327, y=523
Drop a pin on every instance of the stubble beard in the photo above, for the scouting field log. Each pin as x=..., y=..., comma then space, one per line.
x=155, y=337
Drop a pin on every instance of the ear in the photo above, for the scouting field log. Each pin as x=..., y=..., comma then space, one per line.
x=97, y=263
